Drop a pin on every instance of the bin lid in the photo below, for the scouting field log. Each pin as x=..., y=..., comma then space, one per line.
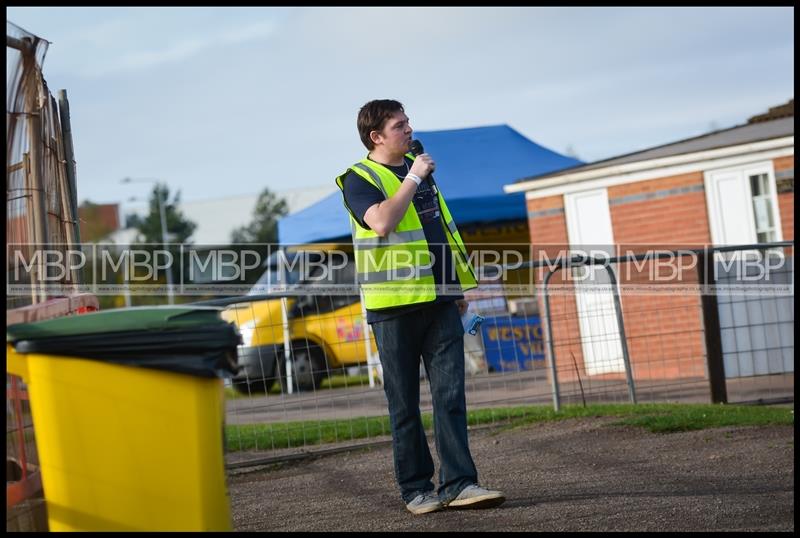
x=192, y=340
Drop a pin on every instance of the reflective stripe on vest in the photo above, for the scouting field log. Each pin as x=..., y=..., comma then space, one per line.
x=394, y=238
x=375, y=179
x=395, y=270
x=394, y=275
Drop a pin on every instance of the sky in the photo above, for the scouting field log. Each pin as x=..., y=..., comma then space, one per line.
x=221, y=102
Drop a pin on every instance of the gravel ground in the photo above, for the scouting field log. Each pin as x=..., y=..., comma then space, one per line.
x=574, y=475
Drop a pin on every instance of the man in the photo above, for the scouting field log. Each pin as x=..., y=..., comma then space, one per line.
x=412, y=267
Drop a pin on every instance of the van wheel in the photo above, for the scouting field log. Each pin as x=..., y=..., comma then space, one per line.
x=308, y=367
x=260, y=386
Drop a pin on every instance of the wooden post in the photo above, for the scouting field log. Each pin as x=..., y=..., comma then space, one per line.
x=19, y=44
x=37, y=186
x=68, y=217
x=30, y=228
x=69, y=156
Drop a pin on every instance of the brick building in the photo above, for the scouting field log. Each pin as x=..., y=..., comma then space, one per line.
x=732, y=186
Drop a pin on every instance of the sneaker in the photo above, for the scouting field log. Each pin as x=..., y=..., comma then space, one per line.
x=475, y=496
x=424, y=503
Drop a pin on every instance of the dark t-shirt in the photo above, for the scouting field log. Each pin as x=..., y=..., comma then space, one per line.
x=361, y=195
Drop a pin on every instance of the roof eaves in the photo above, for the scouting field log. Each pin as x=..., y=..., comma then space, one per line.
x=599, y=164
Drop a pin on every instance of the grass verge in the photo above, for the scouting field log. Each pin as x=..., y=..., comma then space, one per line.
x=332, y=382
x=659, y=418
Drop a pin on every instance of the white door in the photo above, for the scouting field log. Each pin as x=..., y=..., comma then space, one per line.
x=730, y=211
x=589, y=229
x=756, y=331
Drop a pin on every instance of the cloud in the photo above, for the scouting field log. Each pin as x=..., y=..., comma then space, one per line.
x=251, y=32
x=173, y=53
x=178, y=50
x=605, y=81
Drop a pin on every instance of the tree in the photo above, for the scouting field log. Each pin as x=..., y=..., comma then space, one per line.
x=262, y=230
x=179, y=228
x=264, y=226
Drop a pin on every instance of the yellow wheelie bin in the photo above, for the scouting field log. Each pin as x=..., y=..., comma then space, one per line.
x=128, y=410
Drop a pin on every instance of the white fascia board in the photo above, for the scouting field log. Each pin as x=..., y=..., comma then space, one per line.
x=605, y=182
x=653, y=168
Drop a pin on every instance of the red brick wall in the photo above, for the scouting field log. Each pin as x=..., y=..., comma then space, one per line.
x=680, y=219
x=98, y=220
x=786, y=199
x=548, y=238
x=664, y=330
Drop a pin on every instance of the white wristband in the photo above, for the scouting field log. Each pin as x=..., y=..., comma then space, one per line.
x=414, y=177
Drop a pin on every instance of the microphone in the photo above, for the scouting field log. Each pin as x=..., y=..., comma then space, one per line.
x=415, y=147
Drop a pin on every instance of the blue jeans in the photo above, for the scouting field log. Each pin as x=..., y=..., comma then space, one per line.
x=436, y=334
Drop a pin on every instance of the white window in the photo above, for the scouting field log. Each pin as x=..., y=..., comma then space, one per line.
x=761, y=190
x=743, y=205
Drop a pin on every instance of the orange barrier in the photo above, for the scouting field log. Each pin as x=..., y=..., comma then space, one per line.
x=23, y=480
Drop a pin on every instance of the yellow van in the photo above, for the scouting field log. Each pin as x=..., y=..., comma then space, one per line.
x=323, y=316
x=325, y=322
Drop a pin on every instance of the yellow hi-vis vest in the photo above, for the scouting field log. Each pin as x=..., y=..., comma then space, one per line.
x=396, y=270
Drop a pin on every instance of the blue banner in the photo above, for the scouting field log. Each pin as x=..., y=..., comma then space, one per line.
x=512, y=344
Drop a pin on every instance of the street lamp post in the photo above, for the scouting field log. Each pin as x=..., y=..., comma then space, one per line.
x=163, y=214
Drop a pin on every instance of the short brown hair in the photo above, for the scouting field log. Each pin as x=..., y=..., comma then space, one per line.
x=373, y=116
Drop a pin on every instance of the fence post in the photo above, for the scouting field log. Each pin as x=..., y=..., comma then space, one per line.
x=373, y=363
x=622, y=338
x=551, y=351
x=713, y=333
x=287, y=346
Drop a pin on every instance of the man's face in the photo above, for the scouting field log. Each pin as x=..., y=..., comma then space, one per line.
x=396, y=134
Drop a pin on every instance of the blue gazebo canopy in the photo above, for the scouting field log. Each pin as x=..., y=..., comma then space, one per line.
x=472, y=165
